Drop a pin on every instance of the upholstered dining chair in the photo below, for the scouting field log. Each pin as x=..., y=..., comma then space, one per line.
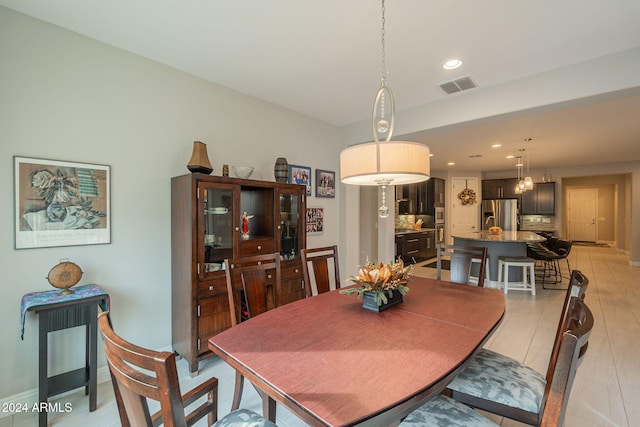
x=501, y=385
x=321, y=261
x=139, y=374
x=461, y=260
x=548, y=411
x=248, y=282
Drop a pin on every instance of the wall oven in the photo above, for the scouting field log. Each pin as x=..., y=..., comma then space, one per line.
x=439, y=215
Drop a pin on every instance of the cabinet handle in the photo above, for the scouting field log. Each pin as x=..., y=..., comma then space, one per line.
x=259, y=247
x=269, y=276
x=412, y=252
x=278, y=227
x=237, y=228
x=210, y=288
x=412, y=240
x=296, y=271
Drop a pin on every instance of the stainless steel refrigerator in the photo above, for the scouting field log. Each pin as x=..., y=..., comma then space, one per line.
x=501, y=213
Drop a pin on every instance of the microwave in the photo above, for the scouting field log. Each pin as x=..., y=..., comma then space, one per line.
x=439, y=215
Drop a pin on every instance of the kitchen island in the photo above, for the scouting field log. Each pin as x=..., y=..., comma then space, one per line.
x=506, y=243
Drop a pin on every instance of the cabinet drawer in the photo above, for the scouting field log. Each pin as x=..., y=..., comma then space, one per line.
x=412, y=243
x=291, y=271
x=216, y=286
x=257, y=247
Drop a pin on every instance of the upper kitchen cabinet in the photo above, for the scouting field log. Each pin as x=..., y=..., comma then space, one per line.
x=407, y=198
x=421, y=198
x=499, y=189
x=540, y=200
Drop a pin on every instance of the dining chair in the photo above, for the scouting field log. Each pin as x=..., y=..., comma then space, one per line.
x=139, y=374
x=461, y=260
x=248, y=282
x=501, y=385
x=322, y=261
x=548, y=411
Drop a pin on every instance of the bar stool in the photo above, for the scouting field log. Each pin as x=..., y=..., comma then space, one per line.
x=473, y=280
x=504, y=262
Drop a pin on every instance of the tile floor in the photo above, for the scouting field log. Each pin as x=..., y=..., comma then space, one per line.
x=606, y=389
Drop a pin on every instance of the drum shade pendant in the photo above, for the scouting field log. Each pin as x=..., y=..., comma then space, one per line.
x=388, y=162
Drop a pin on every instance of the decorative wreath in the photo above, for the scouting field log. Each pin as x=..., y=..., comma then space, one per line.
x=467, y=196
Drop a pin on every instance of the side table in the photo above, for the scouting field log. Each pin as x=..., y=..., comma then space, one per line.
x=58, y=312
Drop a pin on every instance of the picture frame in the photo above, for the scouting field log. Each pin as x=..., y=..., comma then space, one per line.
x=61, y=203
x=300, y=175
x=315, y=220
x=325, y=183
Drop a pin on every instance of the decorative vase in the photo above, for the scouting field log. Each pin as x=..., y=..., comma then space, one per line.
x=199, y=161
x=56, y=212
x=369, y=302
x=281, y=170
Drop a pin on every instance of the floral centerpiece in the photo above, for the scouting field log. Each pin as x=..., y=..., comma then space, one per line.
x=382, y=282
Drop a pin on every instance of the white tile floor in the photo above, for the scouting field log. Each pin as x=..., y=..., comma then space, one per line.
x=606, y=390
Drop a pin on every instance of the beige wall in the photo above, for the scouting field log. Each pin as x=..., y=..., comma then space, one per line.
x=67, y=97
x=612, y=194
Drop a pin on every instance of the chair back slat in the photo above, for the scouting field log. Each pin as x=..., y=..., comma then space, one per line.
x=321, y=261
x=572, y=349
x=157, y=381
x=251, y=277
x=461, y=261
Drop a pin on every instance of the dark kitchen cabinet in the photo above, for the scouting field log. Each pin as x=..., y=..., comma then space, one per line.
x=421, y=198
x=499, y=189
x=416, y=246
x=430, y=194
x=540, y=200
x=407, y=198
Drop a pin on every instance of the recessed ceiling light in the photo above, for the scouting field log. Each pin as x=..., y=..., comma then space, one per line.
x=452, y=64
x=430, y=154
x=510, y=156
x=451, y=163
x=496, y=146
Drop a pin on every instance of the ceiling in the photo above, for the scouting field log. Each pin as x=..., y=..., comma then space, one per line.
x=323, y=59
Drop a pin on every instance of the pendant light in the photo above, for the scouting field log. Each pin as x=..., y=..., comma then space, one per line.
x=528, y=181
x=384, y=162
x=520, y=184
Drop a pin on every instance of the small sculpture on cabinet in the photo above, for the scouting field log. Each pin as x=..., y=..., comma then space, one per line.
x=245, y=225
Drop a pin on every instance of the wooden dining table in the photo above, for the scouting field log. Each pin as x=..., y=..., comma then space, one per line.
x=333, y=363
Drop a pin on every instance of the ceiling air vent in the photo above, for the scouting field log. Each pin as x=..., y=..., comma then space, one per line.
x=458, y=85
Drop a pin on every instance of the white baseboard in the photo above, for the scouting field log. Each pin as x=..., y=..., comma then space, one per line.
x=30, y=397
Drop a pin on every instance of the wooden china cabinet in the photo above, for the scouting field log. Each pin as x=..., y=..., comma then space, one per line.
x=206, y=228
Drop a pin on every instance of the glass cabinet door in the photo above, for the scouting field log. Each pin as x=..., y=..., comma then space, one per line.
x=289, y=225
x=218, y=227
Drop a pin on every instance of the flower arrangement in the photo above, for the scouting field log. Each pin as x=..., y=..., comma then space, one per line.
x=381, y=280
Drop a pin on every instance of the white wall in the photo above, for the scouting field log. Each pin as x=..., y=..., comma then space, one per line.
x=67, y=97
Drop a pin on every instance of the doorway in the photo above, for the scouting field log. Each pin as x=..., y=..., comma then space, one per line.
x=582, y=214
x=464, y=218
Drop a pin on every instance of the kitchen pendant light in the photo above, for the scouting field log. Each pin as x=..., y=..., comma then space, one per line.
x=528, y=181
x=387, y=162
x=520, y=188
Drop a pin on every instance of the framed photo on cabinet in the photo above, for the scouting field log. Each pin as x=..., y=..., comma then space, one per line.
x=300, y=175
x=325, y=183
x=60, y=203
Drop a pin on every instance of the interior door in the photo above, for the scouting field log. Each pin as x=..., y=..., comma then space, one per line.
x=464, y=218
x=582, y=214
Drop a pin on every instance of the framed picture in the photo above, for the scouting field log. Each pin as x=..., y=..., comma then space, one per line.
x=300, y=175
x=325, y=183
x=59, y=203
x=315, y=220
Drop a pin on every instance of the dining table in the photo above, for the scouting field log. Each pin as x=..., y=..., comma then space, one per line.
x=333, y=363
